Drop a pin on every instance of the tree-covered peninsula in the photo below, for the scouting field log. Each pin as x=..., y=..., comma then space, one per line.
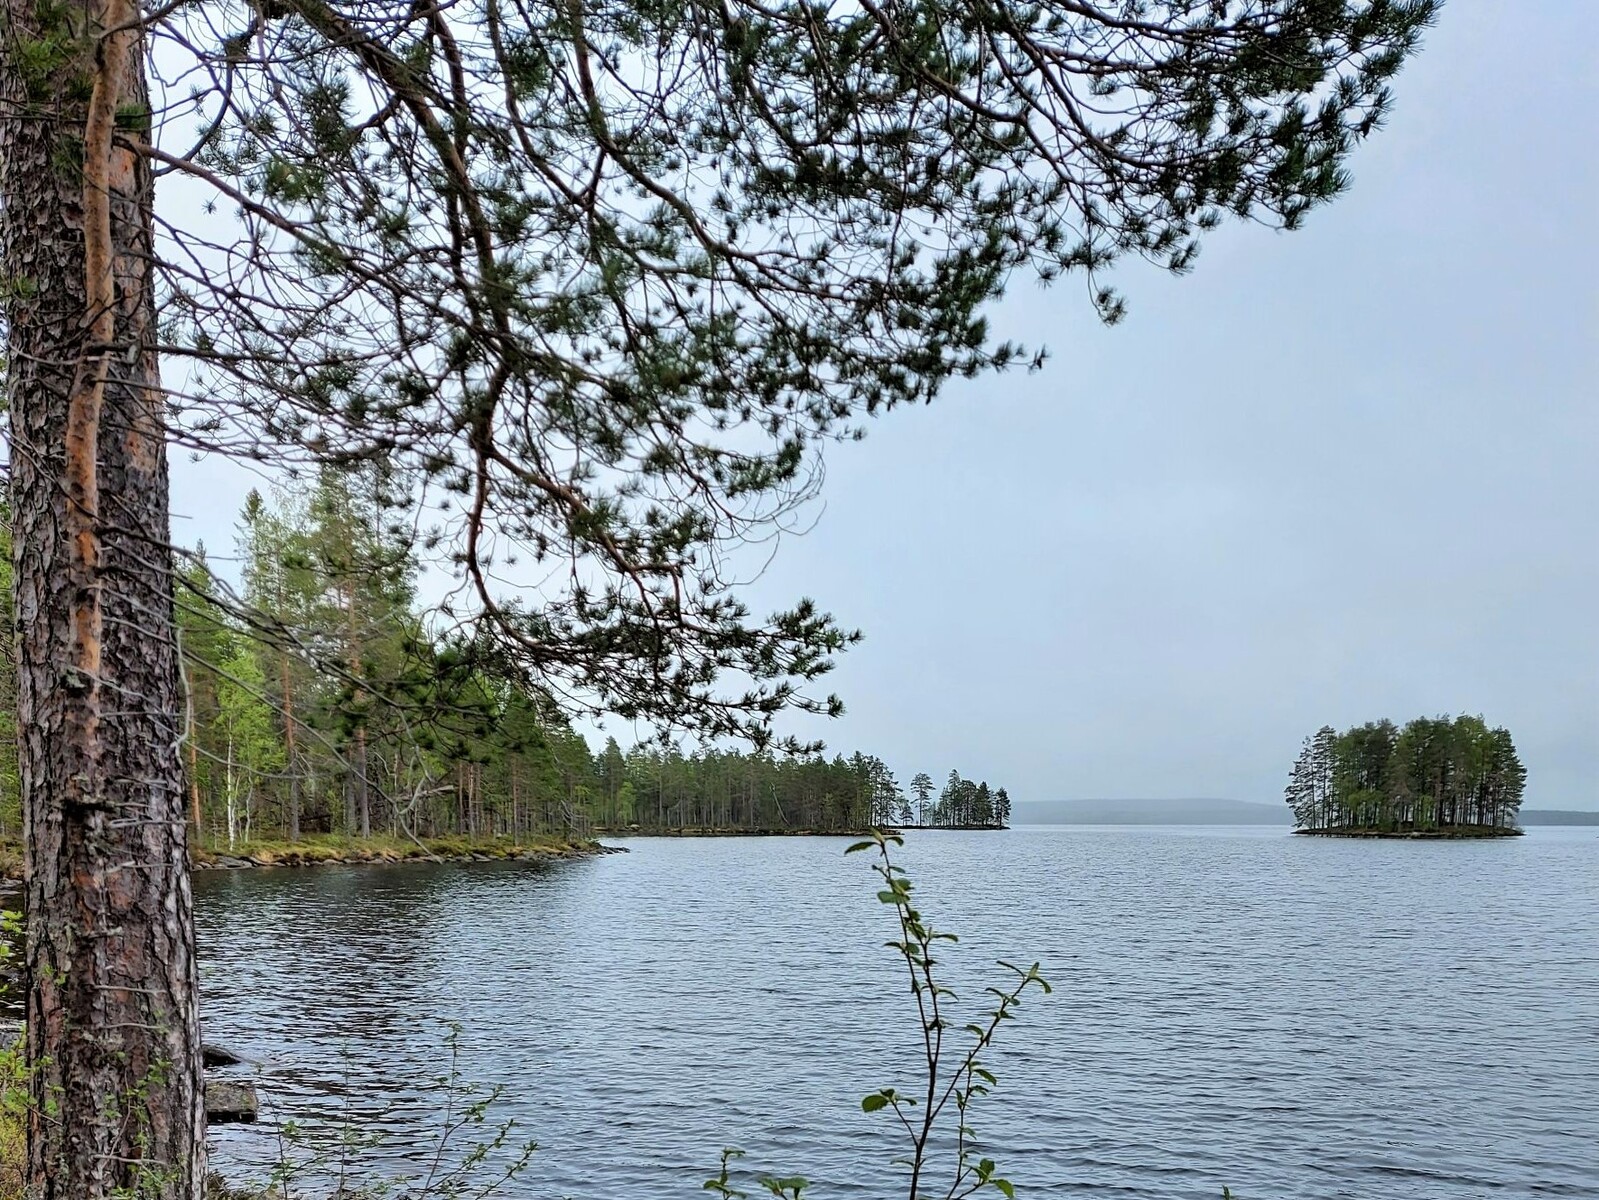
x=1436, y=777
x=325, y=718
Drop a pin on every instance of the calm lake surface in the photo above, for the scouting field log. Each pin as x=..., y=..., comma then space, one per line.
x=1294, y=1018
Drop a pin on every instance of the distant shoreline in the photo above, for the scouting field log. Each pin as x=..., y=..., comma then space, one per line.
x=1219, y=812
x=712, y=831
x=1558, y=817
x=715, y=832
x=1150, y=811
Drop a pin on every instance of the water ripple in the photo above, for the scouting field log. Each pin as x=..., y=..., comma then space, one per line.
x=1298, y=1020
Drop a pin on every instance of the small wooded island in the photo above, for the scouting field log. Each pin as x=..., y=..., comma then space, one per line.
x=1437, y=777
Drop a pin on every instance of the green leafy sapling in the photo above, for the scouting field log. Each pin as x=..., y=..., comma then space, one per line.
x=954, y=1076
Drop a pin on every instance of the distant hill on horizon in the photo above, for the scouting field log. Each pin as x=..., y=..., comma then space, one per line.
x=1558, y=816
x=1182, y=811
x=1204, y=811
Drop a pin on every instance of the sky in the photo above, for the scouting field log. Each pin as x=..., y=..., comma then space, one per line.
x=1330, y=476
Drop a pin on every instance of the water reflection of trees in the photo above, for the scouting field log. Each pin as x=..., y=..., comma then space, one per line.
x=328, y=979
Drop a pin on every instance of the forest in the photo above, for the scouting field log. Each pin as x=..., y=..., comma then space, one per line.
x=317, y=701
x=1436, y=774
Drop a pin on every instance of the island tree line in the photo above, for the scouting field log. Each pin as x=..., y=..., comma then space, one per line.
x=335, y=710
x=1435, y=773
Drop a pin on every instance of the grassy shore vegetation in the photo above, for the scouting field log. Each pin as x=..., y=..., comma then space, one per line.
x=13, y=1129
x=315, y=849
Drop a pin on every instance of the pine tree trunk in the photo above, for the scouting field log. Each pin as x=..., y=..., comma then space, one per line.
x=112, y=1015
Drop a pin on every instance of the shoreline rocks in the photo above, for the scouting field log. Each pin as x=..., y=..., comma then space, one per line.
x=229, y=1103
x=212, y=1055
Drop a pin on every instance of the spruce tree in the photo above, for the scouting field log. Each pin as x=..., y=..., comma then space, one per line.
x=1301, y=792
x=983, y=805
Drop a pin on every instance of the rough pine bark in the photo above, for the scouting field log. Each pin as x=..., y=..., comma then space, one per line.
x=113, y=1027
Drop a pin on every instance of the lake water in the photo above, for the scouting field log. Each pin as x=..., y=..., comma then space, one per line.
x=1297, y=1019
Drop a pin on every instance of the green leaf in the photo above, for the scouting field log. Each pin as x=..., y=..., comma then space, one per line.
x=874, y=1102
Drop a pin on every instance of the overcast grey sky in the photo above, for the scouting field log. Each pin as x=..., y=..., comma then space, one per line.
x=1346, y=473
